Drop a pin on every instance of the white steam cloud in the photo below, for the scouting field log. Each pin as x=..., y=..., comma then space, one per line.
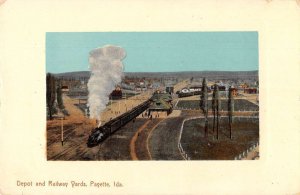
x=106, y=71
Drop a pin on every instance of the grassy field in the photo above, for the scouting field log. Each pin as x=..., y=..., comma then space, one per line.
x=239, y=105
x=245, y=134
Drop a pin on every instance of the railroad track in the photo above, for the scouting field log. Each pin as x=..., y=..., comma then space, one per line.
x=67, y=150
x=57, y=136
x=73, y=146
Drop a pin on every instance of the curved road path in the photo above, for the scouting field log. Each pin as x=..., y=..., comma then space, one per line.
x=158, y=139
x=163, y=143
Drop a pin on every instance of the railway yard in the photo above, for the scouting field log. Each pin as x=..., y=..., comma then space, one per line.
x=177, y=136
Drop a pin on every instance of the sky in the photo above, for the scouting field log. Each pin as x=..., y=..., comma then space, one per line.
x=156, y=51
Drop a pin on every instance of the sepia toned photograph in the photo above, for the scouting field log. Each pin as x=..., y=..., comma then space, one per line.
x=114, y=96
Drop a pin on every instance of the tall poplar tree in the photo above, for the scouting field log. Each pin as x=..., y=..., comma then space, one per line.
x=50, y=94
x=230, y=110
x=216, y=106
x=59, y=96
x=204, y=104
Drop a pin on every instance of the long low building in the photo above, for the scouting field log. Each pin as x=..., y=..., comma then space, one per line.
x=161, y=102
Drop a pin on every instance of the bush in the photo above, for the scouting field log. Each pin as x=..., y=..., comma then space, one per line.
x=65, y=112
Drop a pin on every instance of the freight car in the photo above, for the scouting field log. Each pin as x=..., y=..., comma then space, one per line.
x=185, y=94
x=191, y=92
x=99, y=134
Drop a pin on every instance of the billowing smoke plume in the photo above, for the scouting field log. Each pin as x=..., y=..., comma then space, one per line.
x=106, y=71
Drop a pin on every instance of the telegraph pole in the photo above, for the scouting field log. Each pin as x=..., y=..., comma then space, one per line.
x=125, y=101
x=62, y=131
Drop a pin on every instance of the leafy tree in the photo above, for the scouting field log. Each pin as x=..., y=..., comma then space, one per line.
x=204, y=104
x=230, y=110
x=50, y=94
x=59, y=96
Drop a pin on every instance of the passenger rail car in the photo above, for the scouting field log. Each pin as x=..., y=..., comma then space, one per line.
x=99, y=134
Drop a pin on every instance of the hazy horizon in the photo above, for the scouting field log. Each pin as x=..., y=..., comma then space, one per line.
x=163, y=72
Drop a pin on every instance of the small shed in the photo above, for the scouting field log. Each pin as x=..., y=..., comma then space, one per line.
x=250, y=90
x=65, y=88
x=116, y=94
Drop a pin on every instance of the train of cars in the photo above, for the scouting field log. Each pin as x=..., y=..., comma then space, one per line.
x=99, y=134
x=185, y=92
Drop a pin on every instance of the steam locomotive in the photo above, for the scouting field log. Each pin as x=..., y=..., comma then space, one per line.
x=99, y=134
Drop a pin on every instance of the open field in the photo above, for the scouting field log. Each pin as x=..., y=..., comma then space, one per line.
x=193, y=141
x=239, y=105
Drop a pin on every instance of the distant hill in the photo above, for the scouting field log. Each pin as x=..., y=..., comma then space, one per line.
x=199, y=74
x=73, y=74
x=185, y=74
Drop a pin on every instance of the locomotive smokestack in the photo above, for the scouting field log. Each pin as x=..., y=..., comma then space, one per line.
x=106, y=71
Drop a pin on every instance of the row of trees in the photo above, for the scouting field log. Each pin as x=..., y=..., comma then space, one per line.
x=216, y=107
x=53, y=92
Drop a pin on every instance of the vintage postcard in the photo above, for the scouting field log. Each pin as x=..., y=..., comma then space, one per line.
x=149, y=97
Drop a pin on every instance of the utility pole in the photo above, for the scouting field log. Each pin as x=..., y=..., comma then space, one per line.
x=125, y=101
x=62, y=131
x=111, y=107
